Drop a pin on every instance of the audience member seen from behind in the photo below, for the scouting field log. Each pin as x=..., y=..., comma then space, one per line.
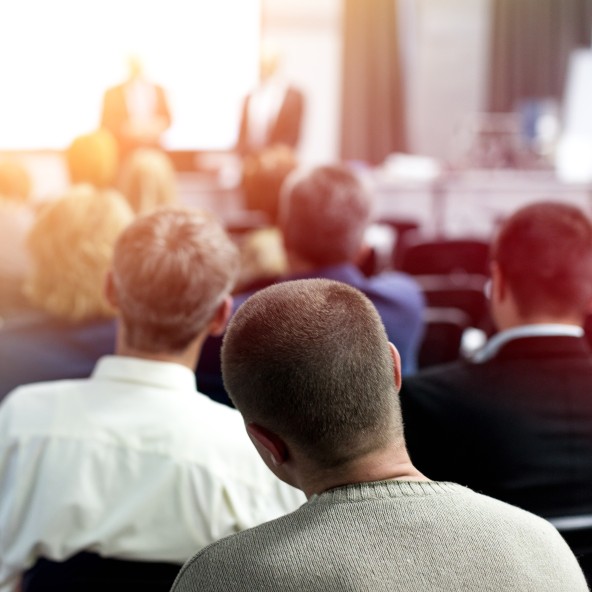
x=323, y=215
x=16, y=218
x=262, y=254
x=148, y=180
x=133, y=462
x=517, y=419
x=70, y=325
x=93, y=158
x=309, y=366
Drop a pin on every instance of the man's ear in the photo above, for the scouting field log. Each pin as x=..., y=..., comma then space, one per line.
x=110, y=290
x=397, y=365
x=269, y=445
x=221, y=317
x=498, y=283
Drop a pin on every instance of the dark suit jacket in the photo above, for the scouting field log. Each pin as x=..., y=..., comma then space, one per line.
x=115, y=114
x=284, y=130
x=517, y=427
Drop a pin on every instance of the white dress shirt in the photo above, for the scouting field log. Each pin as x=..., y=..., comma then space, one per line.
x=264, y=107
x=131, y=463
x=492, y=347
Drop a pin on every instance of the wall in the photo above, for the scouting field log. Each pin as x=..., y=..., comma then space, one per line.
x=447, y=69
x=445, y=47
x=308, y=34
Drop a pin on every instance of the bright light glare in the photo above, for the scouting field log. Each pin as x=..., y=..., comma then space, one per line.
x=57, y=57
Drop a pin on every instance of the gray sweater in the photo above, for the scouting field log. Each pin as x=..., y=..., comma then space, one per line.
x=391, y=536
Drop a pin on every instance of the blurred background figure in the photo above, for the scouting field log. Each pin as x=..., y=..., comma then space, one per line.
x=93, y=158
x=136, y=111
x=272, y=112
x=70, y=246
x=262, y=254
x=16, y=218
x=323, y=215
x=263, y=175
x=148, y=181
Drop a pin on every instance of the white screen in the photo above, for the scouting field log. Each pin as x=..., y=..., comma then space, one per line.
x=57, y=57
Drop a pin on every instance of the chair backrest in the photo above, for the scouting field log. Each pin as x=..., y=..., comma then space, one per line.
x=577, y=532
x=444, y=328
x=445, y=256
x=405, y=229
x=90, y=572
x=463, y=291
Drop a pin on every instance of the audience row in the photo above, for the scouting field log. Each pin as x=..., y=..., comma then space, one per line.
x=114, y=452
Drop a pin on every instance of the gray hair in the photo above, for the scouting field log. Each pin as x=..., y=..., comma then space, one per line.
x=323, y=214
x=171, y=270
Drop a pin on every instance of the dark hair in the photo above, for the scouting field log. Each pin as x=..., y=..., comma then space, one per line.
x=309, y=360
x=544, y=250
x=323, y=214
x=171, y=271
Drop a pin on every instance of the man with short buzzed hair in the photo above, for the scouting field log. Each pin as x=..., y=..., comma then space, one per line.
x=134, y=463
x=309, y=366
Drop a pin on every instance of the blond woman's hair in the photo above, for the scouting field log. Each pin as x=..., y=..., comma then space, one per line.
x=93, y=158
x=71, y=245
x=148, y=181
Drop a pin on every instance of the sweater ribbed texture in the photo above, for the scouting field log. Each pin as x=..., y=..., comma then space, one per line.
x=391, y=536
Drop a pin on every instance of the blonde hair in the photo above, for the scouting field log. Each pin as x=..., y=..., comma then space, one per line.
x=148, y=181
x=93, y=158
x=71, y=245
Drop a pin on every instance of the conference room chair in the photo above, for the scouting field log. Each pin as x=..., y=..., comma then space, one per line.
x=462, y=291
x=443, y=335
x=89, y=572
x=577, y=532
x=449, y=256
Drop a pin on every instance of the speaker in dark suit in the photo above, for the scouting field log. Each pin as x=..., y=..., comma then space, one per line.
x=136, y=111
x=272, y=113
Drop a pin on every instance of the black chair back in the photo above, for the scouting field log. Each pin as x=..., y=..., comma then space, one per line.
x=90, y=572
x=444, y=328
x=445, y=256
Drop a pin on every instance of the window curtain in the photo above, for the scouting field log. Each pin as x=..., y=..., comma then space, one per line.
x=373, y=119
x=531, y=41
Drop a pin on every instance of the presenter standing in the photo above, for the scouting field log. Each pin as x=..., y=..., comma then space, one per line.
x=272, y=112
x=136, y=111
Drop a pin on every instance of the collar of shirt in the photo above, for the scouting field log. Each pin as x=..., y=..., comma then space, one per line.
x=493, y=346
x=168, y=375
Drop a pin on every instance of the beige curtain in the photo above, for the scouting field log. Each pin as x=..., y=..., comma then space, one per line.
x=372, y=104
x=531, y=41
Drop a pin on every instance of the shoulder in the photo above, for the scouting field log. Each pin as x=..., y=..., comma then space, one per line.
x=237, y=558
x=495, y=520
x=395, y=278
x=442, y=376
x=114, y=91
x=397, y=297
x=31, y=407
x=397, y=284
x=295, y=94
